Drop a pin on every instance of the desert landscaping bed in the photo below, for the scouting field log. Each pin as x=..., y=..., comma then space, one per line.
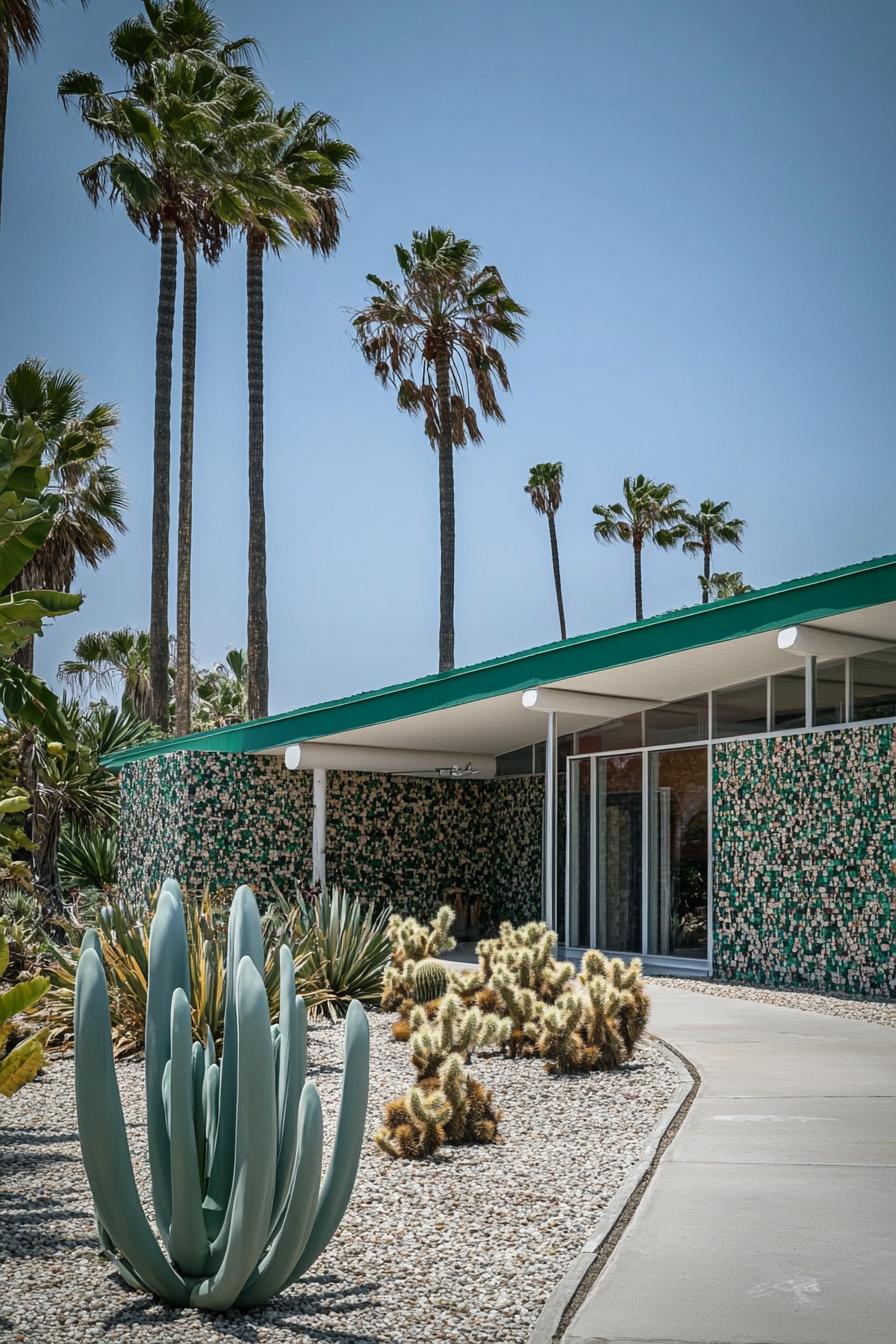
x=809, y=1001
x=464, y=1246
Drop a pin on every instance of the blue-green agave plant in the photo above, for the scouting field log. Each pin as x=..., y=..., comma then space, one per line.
x=236, y=1145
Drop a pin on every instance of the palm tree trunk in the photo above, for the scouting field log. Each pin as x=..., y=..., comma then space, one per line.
x=639, y=595
x=47, y=826
x=4, y=98
x=707, y=570
x=183, y=679
x=555, y=562
x=161, y=477
x=257, y=624
x=446, y=513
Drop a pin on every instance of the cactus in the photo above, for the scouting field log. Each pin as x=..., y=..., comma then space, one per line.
x=412, y=941
x=235, y=1144
x=20, y=1065
x=429, y=980
x=414, y=1124
x=454, y=1031
x=597, y=1026
x=527, y=953
x=522, y=1007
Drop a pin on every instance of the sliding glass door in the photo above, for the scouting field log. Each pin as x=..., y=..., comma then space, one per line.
x=638, y=850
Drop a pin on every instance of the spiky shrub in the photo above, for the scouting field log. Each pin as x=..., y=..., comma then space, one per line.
x=21, y=1052
x=236, y=1146
x=598, y=1025
x=429, y=980
x=343, y=948
x=521, y=1007
x=454, y=1030
x=412, y=941
x=527, y=953
x=414, y=1125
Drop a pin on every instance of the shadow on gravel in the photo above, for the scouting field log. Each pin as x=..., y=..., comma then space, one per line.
x=290, y=1315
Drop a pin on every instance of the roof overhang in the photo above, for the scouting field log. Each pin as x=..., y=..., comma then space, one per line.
x=478, y=710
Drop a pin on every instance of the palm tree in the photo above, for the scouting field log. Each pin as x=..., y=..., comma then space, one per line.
x=286, y=191
x=651, y=511
x=91, y=496
x=728, y=583
x=162, y=133
x=184, y=27
x=222, y=692
x=113, y=658
x=545, y=489
x=709, y=526
x=429, y=335
x=19, y=34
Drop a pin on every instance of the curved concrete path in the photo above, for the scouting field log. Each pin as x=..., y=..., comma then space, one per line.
x=770, y=1218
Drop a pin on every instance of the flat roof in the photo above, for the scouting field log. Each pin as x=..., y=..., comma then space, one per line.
x=665, y=657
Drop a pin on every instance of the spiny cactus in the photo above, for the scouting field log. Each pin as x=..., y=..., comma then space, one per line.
x=412, y=941
x=414, y=1124
x=528, y=954
x=235, y=1145
x=455, y=1030
x=597, y=1025
x=523, y=1009
x=429, y=980
x=473, y=1117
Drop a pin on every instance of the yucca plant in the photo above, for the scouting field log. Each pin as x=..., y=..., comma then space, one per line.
x=235, y=1145
x=344, y=949
x=21, y=1063
x=88, y=858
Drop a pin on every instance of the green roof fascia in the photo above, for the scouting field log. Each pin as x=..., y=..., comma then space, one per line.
x=791, y=603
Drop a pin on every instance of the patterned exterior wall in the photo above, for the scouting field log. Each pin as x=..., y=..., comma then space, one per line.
x=805, y=860
x=222, y=819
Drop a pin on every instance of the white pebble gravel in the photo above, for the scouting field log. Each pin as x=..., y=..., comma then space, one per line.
x=862, y=1010
x=464, y=1247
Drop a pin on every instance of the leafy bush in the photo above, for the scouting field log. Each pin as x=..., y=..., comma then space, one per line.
x=21, y=1055
x=88, y=859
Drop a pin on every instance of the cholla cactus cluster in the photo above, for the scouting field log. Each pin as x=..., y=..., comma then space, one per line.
x=446, y=1104
x=415, y=975
x=575, y=1023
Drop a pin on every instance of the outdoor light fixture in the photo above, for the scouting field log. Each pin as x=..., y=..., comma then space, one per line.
x=817, y=642
x=457, y=771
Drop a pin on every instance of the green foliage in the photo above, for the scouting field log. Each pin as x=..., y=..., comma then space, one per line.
x=88, y=859
x=235, y=1145
x=344, y=949
x=429, y=980
x=21, y=1055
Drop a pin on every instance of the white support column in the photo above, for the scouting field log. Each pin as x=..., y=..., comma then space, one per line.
x=319, y=826
x=549, y=858
x=811, y=663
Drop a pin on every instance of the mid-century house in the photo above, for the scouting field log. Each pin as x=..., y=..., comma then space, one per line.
x=713, y=789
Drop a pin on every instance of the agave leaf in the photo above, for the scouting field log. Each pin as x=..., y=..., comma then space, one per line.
x=189, y=1245
x=168, y=971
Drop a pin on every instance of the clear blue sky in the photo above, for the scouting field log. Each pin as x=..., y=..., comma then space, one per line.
x=696, y=199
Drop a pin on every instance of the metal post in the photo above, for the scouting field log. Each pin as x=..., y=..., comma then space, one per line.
x=549, y=872
x=319, y=826
x=810, y=690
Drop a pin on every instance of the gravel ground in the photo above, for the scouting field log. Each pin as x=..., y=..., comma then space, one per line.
x=863, y=1010
x=464, y=1247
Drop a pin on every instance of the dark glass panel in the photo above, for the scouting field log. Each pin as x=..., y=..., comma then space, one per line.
x=874, y=685
x=830, y=692
x=617, y=735
x=619, y=864
x=678, y=853
x=789, y=699
x=681, y=721
x=740, y=710
x=515, y=762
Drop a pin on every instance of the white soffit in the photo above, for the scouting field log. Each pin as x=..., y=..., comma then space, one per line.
x=500, y=723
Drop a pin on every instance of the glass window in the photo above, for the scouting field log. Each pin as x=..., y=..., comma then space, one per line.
x=679, y=841
x=681, y=721
x=740, y=710
x=789, y=699
x=874, y=685
x=618, y=844
x=564, y=750
x=515, y=762
x=617, y=735
x=830, y=692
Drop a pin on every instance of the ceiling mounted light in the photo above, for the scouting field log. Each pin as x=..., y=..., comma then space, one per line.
x=456, y=771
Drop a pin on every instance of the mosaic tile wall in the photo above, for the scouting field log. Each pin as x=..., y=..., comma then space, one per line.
x=805, y=860
x=231, y=818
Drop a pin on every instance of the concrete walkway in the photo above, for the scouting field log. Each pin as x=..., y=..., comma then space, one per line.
x=770, y=1219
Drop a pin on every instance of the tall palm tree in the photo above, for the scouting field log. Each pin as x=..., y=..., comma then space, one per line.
x=186, y=27
x=287, y=191
x=727, y=583
x=91, y=496
x=222, y=691
x=162, y=133
x=709, y=526
x=108, y=659
x=545, y=489
x=650, y=511
x=19, y=35
x=433, y=335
